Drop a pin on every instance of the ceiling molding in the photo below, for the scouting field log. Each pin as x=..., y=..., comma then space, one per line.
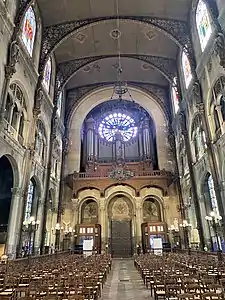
x=54, y=35
x=66, y=70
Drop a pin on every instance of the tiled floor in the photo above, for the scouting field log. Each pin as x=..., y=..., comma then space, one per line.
x=124, y=282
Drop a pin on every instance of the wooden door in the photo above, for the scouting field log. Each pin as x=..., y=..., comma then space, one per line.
x=121, y=238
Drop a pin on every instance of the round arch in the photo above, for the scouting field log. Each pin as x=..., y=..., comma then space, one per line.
x=159, y=217
x=15, y=169
x=89, y=211
x=144, y=59
x=91, y=100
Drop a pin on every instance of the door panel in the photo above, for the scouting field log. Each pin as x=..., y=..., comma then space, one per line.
x=121, y=238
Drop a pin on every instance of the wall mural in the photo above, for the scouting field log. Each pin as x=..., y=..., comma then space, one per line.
x=151, y=211
x=89, y=213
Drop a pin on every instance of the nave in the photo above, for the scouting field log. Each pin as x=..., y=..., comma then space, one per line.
x=171, y=276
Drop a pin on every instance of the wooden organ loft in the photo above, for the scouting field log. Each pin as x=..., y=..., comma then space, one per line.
x=123, y=155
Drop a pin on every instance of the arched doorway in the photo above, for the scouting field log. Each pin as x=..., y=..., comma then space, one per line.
x=120, y=213
x=6, y=185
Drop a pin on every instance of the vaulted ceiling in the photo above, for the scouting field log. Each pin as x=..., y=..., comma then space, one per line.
x=147, y=33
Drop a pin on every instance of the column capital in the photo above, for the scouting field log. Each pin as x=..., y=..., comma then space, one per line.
x=17, y=191
x=201, y=108
x=218, y=108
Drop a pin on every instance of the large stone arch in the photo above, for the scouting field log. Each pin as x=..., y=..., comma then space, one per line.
x=95, y=98
x=15, y=169
x=164, y=66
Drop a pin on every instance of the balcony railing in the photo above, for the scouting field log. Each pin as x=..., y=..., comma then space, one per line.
x=157, y=173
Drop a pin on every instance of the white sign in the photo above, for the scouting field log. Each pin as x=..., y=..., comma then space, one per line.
x=88, y=247
x=157, y=245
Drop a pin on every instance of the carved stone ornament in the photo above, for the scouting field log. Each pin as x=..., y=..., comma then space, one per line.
x=196, y=92
x=14, y=52
x=39, y=98
x=171, y=140
x=219, y=48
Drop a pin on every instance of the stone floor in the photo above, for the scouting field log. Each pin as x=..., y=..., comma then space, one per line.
x=124, y=282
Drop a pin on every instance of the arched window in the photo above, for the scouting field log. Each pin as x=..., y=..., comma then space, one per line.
x=29, y=30
x=30, y=199
x=47, y=74
x=59, y=104
x=186, y=69
x=203, y=24
x=222, y=104
x=212, y=194
x=174, y=94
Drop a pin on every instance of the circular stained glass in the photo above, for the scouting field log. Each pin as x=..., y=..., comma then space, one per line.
x=117, y=123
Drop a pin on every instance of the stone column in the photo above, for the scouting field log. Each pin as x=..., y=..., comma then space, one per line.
x=220, y=117
x=13, y=231
x=76, y=212
x=18, y=116
x=102, y=221
x=139, y=219
x=37, y=235
x=11, y=113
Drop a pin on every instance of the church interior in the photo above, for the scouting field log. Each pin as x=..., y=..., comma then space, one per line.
x=112, y=140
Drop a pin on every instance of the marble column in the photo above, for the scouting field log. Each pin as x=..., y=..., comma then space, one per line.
x=13, y=231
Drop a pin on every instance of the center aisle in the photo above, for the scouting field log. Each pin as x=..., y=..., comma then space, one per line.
x=124, y=282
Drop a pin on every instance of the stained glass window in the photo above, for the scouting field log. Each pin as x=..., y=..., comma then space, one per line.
x=47, y=74
x=186, y=69
x=117, y=123
x=30, y=198
x=175, y=97
x=212, y=194
x=59, y=104
x=29, y=30
x=203, y=24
